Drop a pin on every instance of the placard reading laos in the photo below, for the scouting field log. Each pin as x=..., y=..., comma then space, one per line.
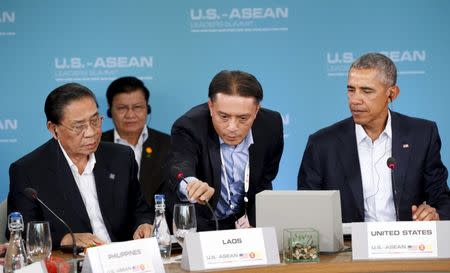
x=232, y=248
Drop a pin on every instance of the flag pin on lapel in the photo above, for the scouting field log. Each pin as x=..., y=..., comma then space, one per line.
x=112, y=176
x=405, y=146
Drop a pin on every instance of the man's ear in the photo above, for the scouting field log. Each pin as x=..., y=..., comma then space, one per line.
x=394, y=91
x=210, y=106
x=52, y=129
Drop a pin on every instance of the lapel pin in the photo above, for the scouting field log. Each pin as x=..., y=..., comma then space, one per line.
x=112, y=176
x=405, y=146
x=148, y=152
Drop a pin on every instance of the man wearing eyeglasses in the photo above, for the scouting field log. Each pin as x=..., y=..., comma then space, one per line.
x=92, y=185
x=128, y=101
x=356, y=155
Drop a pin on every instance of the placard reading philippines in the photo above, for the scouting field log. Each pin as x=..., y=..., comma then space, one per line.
x=402, y=240
x=232, y=248
x=128, y=260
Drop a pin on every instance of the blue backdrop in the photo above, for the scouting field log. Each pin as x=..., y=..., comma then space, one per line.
x=299, y=50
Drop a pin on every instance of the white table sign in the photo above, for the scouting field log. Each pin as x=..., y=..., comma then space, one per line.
x=240, y=247
x=230, y=248
x=402, y=240
x=137, y=256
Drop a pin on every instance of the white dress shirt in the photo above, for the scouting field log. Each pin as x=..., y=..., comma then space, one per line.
x=88, y=191
x=136, y=149
x=376, y=176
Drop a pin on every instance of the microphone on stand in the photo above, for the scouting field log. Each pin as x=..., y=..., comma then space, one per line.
x=392, y=164
x=180, y=176
x=33, y=195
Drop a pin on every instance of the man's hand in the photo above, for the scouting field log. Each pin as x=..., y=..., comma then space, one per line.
x=3, y=248
x=199, y=191
x=143, y=231
x=424, y=213
x=82, y=239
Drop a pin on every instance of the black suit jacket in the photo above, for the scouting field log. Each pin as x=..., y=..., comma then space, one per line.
x=195, y=150
x=46, y=170
x=151, y=173
x=330, y=162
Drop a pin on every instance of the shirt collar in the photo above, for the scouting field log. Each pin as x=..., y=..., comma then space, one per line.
x=361, y=135
x=89, y=166
x=142, y=138
x=244, y=145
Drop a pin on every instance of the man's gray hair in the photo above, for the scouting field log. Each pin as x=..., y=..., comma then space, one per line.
x=381, y=63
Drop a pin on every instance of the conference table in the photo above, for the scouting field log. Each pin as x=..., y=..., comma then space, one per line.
x=342, y=262
x=333, y=262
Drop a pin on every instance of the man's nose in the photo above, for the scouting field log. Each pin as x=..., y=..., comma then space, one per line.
x=355, y=98
x=233, y=125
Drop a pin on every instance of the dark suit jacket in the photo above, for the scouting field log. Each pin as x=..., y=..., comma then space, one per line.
x=195, y=150
x=331, y=162
x=46, y=170
x=151, y=173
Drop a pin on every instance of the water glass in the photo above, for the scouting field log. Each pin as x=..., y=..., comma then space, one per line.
x=184, y=221
x=38, y=241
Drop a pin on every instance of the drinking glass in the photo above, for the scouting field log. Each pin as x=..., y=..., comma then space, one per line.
x=184, y=221
x=39, y=240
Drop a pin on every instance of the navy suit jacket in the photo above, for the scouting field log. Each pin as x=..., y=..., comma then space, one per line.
x=151, y=173
x=195, y=150
x=46, y=170
x=330, y=162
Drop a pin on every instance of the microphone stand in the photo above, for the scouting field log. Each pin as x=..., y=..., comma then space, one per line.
x=216, y=221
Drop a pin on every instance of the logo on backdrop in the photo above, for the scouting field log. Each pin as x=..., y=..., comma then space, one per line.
x=102, y=68
x=7, y=127
x=408, y=62
x=257, y=19
x=7, y=21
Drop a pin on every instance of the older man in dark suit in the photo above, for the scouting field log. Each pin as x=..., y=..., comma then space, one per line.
x=352, y=155
x=93, y=186
x=128, y=101
x=228, y=150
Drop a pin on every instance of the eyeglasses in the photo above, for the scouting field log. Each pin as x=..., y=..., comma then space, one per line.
x=78, y=129
x=138, y=109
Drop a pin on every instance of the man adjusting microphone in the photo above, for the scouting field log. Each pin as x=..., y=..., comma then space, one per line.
x=353, y=155
x=227, y=150
x=89, y=184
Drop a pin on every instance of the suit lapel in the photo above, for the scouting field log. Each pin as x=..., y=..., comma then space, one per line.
x=149, y=162
x=104, y=182
x=67, y=186
x=400, y=151
x=349, y=159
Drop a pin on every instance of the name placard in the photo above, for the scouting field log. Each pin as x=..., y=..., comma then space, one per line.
x=230, y=248
x=137, y=256
x=400, y=240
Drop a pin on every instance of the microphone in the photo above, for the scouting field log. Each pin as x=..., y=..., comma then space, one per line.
x=33, y=195
x=392, y=164
x=180, y=176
